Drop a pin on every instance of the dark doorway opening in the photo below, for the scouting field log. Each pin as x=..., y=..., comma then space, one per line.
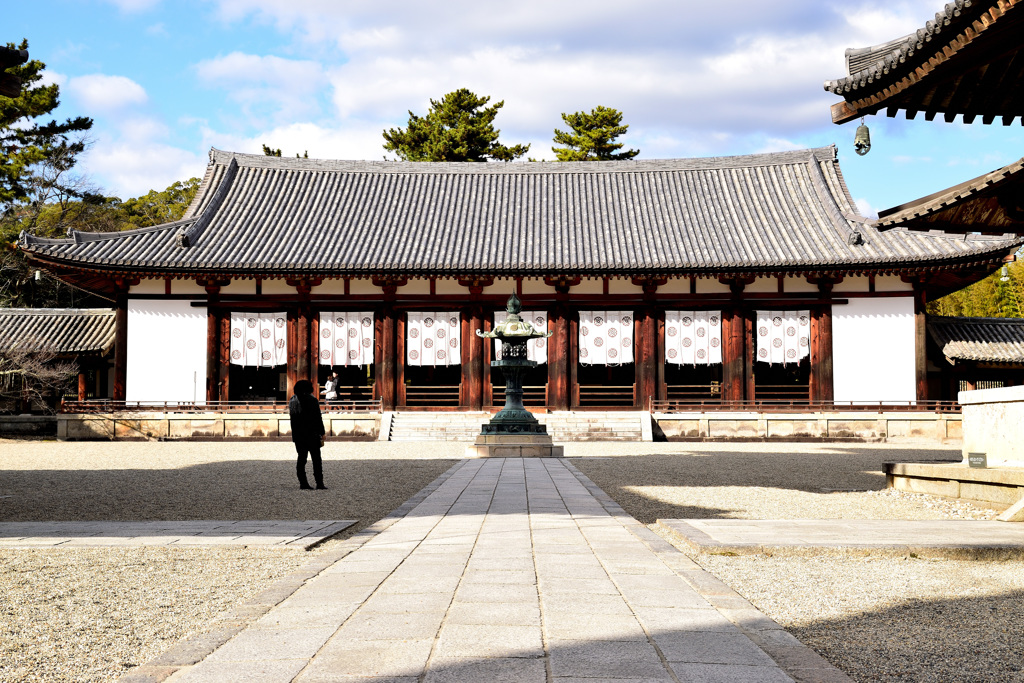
x=605, y=386
x=247, y=383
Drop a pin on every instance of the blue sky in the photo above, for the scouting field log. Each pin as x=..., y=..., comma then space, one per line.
x=165, y=80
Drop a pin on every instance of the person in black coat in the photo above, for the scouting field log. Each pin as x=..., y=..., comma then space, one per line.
x=307, y=432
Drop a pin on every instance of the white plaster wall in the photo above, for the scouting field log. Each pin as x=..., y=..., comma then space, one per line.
x=850, y=283
x=763, y=285
x=873, y=350
x=150, y=286
x=709, y=286
x=166, y=351
x=622, y=286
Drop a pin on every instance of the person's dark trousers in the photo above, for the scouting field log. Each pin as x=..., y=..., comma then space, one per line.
x=300, y=465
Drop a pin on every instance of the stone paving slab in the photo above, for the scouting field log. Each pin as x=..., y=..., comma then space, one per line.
x=297, y=534
x=927, y=538
x=529, y=573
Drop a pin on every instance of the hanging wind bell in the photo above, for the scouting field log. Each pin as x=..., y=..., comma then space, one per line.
x=862, y=140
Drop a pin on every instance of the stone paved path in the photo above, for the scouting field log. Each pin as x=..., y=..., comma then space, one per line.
x=288, y=533
x=933, y=538
x=511, y=570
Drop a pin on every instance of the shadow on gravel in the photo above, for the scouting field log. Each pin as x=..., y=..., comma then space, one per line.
x=365, y=489
x=837, y=470
x=958, y=640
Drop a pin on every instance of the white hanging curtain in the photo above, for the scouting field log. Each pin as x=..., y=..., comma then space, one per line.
x=346, y=338
x=259, y=339
x=606, y=337
x=536, y=349
x=693, y=337
x=783, y=336
x=433, y=338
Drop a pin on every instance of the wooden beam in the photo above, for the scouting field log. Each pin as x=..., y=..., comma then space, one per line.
x=212, y=343
x=920, y=341
x=558, y=359
x=120, y=343
x=386, y=359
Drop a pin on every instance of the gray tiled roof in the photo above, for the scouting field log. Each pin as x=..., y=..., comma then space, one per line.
x=993, y=340
x=61, y=330
x=864, y=65
x=257, y=214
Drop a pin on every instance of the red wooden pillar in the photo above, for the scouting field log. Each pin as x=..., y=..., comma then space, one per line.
x=920, y=341
x=647, y=344
x=561, y=363
x=662, y=386
x=736, y=351
x=120, y=342
x=82, y=384
x=224, y=374
x=473, y=363
x=821, y=384
x=212, y=340
x=386, y=360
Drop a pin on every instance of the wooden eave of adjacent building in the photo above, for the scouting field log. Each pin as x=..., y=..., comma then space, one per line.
x=991, y=204
x=968, y=61
x=985, y=342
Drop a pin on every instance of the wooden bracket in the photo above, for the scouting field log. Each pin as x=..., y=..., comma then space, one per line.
x=476, y=284
x=562, y=283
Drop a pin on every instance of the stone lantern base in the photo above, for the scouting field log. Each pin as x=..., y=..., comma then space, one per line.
x=514, y=446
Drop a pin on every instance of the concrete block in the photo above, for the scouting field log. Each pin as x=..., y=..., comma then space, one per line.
x=1015, y=513
x=680, y=428
x=206, y=428
x=1001, y=495
x=790, y=428
x=935, y=487
x=724, y=429
x=857, y=429
x=87, y=427
x=914, y=430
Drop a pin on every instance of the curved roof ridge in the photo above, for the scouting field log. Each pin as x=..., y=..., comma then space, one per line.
x=79, y=236
x=878, y=60
x=222, y=157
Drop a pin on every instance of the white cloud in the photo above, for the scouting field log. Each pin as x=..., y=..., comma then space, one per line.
x=354, y=141
x=266, y=86
x=865, y=208
x=130, y=169
x=103, y=93
x=134, y=5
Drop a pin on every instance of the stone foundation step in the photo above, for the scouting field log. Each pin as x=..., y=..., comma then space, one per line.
x=465, y=426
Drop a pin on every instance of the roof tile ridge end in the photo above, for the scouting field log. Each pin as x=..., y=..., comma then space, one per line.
x=187, y=236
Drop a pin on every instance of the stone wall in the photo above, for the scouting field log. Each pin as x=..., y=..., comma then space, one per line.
x=994, y=425
x=894, y=427
x=202, y=426
x=34, y=426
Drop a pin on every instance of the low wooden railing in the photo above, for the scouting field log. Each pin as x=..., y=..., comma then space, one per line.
x=782, y=406
x=602, y=395
x=532, y=395
x=694, y=392
x=442, y=396
x=104, y=406
x=782, y=392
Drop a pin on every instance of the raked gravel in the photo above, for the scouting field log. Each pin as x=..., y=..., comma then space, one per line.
x=88, y=614
x=876, y=619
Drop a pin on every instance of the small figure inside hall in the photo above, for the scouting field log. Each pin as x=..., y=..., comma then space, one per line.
x=307, y=432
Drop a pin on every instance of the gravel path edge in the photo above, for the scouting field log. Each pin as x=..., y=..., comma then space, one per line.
x=227, y=625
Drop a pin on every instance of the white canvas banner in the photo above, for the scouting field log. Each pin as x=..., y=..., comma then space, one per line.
x=433, y=338
x=346, y=338
x=536, y=349
x=783, y=336
x=606, y=337
x=693, y=337
x=259, y=339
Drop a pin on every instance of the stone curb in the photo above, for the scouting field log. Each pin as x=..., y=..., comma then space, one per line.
x=193, y=649
x=797, y=660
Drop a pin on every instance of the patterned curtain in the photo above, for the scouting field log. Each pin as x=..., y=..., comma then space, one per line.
x=536, y=349
x=346, y=338
x=433, y=338
x=783, y=336
x=606, y=337
x=693, y=337
x=259, y=339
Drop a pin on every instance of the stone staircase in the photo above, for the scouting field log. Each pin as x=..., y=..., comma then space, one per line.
x=562, y=426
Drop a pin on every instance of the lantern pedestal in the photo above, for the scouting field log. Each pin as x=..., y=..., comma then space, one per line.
x=514, y=432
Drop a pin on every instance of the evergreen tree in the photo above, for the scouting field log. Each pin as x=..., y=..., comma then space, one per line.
x=458, y=128
x=271, y=152
x=36, y=158
x=592, y=137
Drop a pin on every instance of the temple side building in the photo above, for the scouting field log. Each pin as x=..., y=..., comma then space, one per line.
x=715, y=279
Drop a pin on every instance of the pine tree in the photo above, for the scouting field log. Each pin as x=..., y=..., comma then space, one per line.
x=459, y=127
x=27, y=146
x=592, y=137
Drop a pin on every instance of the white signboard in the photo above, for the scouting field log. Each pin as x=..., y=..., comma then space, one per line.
x=693, y=337
x=346, y=338
x=433, y=338
x=536, y=349
x=606, y=337
x=783, y=336
x=259, y=339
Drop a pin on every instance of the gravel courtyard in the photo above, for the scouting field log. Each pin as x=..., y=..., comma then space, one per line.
x=92, y=613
